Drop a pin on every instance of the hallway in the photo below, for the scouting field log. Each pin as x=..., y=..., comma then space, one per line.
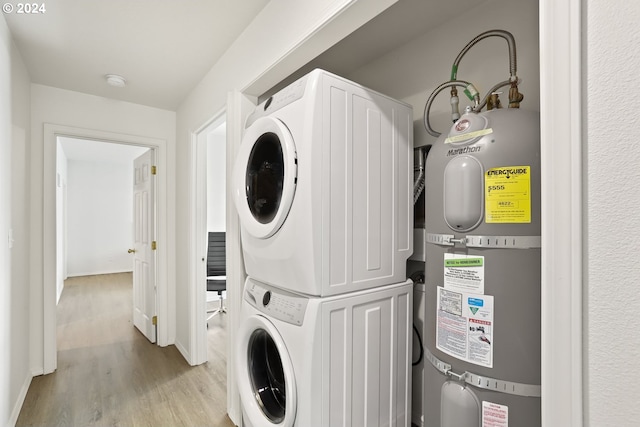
x=110, y=375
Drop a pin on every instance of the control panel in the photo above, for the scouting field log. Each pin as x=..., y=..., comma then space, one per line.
x=276, y=303
x=286, y=96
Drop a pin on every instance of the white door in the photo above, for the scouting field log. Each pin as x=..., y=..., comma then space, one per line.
x=144, y=283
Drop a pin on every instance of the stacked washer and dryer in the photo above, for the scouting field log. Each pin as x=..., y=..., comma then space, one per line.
x=323, y=188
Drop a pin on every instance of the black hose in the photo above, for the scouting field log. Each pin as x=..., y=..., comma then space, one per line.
x=417, y=362
x=418, y=277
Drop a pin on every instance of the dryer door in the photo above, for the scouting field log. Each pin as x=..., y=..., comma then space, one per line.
x=265, y=375
x=264, y=177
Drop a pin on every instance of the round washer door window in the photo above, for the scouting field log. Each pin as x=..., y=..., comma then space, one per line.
x=265, y=375
x=265, y=177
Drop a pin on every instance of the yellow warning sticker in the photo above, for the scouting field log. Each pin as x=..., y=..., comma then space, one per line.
x=507, y=195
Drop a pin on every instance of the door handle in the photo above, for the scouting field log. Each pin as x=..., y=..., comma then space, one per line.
x=131, y=251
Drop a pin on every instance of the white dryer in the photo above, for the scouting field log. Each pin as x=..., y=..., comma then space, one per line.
x=323, y=187
x=333, y=361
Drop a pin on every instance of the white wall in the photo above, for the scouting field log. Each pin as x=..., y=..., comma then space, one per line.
x=216, y=179
x=611, y=215
x=15, y=373
x=5, y=219
x=100, y=217
x=66, y=108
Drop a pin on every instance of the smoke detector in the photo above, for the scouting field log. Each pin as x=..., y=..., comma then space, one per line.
x=115, y=80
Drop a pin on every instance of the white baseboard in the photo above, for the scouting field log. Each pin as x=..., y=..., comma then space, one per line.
x=59, y=293
x=19, y=402
x=183, y=351
x=97, y=273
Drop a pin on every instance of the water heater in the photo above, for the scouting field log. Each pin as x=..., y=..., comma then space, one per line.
x=482, y=271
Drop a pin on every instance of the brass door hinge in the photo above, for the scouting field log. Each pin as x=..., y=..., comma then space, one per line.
x=154, y=320
x=154, y=245
x=154, y=170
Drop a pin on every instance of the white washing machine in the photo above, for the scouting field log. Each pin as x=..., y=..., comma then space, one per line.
x=330, y=362
x=323, y=187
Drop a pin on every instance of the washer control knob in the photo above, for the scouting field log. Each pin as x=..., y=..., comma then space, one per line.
x=266, y=298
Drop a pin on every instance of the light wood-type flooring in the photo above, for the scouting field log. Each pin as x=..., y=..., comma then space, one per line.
x=110, y=375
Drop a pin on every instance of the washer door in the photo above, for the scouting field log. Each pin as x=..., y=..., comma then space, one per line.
x=265, y=177
x=265, y=375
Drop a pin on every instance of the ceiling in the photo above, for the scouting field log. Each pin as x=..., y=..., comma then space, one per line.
x=163, y=48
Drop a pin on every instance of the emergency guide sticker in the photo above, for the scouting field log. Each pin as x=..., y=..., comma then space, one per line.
x=464, y=273
x=465, y=326
x=507, y=195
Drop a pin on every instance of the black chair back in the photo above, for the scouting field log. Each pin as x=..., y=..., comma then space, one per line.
x=216, y=266
x=216, y=254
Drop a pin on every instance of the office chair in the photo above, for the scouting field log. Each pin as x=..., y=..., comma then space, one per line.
x=216, y=268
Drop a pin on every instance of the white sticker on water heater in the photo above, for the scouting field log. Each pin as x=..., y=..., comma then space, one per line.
x=465, y=326
x=464, y=273
x=494, y=415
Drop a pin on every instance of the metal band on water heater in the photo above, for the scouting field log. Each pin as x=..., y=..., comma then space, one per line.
x=479, y=381
x=508, y=242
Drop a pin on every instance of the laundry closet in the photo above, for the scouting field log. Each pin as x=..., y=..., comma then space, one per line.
x=406, y=52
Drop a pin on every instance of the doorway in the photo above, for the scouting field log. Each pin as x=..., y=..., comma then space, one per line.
x=100, y=219
x=53, y=242
x=209, y=205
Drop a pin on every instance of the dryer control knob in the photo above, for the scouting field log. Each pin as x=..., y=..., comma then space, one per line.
x=266, y=298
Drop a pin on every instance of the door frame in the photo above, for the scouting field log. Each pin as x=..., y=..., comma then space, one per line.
x=238, y=107
x=51, y=133
x=198, y=240
x=562, y=74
